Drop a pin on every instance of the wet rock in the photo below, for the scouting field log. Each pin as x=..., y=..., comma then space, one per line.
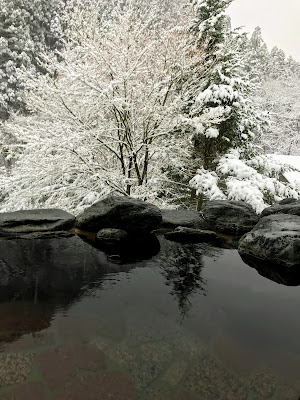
x=15, y=367
x=132, y=249
x=108, y=386
x=171, y=219
x=112, y=236
x=286, y=206
x=232, y=217
x=49, y=266
x=212, y=381
x=191, y=235
x=132, y=215
x=276, y=237
x=41, y=220
x=26, y=391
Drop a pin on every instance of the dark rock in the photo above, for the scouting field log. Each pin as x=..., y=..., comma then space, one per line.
x=190, y=235
x=288, y=200
x=234, y=217
x=131, y=248
x=53, y=266
x=26, y=221
x=187, y=218
x=132, y=215
x=286, y=206
x=275, y=238
x=112, y=236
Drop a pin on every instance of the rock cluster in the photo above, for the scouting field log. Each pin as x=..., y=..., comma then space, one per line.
x=41, y=245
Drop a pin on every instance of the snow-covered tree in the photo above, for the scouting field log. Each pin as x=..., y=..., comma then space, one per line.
x=224, y=120
x=26, y=28
x=257, y=56
x=104, y=121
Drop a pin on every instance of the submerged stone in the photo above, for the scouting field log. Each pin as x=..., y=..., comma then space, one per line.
x=15, y=367
x=210, y=380
x=190, y=235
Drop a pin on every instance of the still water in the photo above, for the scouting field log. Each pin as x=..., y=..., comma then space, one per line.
x=192, y=323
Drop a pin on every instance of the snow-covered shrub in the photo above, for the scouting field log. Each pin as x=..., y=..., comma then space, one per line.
x=256, y=181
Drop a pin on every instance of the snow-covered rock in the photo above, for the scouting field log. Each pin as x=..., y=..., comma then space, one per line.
x=232, y=217
x=275, y=238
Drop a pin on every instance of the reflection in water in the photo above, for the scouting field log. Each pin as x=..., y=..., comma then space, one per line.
x=238, y=337
x=182, y=269
x=284, y=275
x=20, y=318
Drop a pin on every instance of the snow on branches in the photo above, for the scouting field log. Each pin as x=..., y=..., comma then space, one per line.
x=256, y=181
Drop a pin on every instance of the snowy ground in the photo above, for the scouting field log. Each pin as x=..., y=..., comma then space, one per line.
x=293, y=161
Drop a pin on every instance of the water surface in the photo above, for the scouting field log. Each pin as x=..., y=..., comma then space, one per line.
x=193, y=322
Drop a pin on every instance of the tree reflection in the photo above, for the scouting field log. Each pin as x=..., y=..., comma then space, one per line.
x=182, y=266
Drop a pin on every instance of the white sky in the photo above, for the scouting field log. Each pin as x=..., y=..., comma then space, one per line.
x=278, y=19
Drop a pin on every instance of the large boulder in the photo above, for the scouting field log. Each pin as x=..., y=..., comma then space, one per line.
x=231, y=217
x=132, y=215
x=171, y=219
x=275, y=237
x=49, y=265
x=41, y=220
x=286, y=206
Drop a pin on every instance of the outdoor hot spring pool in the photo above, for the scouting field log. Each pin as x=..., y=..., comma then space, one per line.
x=191, y=323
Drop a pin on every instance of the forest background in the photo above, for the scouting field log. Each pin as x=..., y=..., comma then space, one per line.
x=160, y=100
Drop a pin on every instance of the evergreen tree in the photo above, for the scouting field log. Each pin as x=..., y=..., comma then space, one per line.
x=218, y=110
x=224, y=121
x=257, y=55
x=277, y=63
x=27, y=28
